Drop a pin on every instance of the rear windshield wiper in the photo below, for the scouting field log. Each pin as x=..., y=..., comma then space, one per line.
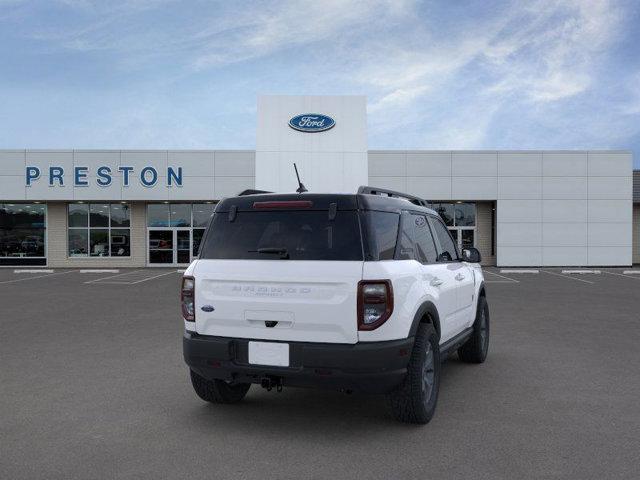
x=284, y=254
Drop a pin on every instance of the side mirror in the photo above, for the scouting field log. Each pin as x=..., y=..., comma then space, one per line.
x=471, y=255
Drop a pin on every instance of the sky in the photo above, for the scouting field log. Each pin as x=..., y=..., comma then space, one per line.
x=437, y=75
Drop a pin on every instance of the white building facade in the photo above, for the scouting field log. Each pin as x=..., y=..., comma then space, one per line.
x=121, y=208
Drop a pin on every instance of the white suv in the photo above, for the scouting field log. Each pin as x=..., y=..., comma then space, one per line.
x=363, y=292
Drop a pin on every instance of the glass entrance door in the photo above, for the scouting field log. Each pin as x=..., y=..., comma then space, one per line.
x=161, y=247
x=183, y=246
x=171, y=246
x=464, y=237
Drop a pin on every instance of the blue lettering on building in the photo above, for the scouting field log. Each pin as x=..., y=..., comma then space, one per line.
x=104, y=176
x=149, y=181
x=33, y=173
x=56, y=173
x=148, y=176
x=125, y=175
x=172, y=177
x=80, y=177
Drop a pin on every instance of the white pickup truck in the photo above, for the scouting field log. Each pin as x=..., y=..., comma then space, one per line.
x=356, y=292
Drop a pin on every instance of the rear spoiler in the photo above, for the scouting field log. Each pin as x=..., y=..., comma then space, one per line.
x=250, y=191
x=366, y=190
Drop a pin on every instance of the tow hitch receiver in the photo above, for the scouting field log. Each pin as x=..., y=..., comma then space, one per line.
x=270, y=382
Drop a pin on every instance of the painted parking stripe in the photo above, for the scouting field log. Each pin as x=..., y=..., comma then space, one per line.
x=39, y=276
x=101, y=270
x=151, y=278
x=581, y=272
x=501, y=276
x=129, y=278
x=631, y=272
x=112, y=276
x=621, y=275
x=41, y=270
x=517, y=270
x=567, y=276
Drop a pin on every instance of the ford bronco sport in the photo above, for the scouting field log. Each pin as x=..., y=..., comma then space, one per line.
x=358, y=292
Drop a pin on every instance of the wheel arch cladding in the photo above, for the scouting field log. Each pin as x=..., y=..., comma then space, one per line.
x=427, y=312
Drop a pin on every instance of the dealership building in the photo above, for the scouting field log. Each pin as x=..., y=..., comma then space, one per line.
x=136, y=208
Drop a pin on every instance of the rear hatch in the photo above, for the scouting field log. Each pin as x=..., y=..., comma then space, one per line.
x=281, y=269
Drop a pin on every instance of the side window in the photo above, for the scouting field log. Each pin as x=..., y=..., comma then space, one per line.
x=381, y=234
x=405, y=240
x=415, y=241
x=446, y=248
x=425, y=248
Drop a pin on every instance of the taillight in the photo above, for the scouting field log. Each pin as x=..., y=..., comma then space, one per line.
x=375, y=303
x=187, y=298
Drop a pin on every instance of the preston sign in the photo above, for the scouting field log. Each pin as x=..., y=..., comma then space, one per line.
x=312, y=122
x=56, y=176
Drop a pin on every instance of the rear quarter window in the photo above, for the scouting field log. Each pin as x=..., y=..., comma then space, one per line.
x=381, y=234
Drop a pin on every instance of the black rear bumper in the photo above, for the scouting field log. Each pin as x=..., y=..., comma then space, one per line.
x=371, y=367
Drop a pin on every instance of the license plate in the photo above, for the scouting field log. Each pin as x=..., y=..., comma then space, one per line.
x=269, y=353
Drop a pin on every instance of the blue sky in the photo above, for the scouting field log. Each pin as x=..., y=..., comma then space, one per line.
x=459, y=75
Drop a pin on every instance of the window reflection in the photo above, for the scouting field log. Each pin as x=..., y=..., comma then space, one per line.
x=158, y=215
x=465, y=214
x=78, y=215
x=120, y=215
x=90, y=232
x=202, y=213
x=99, y=215
x=22, y=230
x=180, y=215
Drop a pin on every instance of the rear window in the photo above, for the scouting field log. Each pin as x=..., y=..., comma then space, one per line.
x=274, y=235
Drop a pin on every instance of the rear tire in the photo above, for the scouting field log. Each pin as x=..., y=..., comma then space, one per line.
x=476, y=347
x=414, y=401
x=218, y=391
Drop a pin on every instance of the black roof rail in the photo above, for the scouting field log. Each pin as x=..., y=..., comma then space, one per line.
x=392, y=193
x=251, y=191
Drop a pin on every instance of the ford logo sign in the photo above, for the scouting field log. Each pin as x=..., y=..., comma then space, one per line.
x=311, y=122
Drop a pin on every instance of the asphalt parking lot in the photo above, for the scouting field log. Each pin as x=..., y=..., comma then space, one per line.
x=93, y=385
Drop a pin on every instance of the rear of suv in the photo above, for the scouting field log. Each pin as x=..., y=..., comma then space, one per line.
x=356, y=292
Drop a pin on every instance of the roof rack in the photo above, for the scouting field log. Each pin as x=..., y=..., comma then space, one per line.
x=251, y=191
x=392, y=193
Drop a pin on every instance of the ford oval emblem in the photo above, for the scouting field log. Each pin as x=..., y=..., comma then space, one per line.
x=312, y=122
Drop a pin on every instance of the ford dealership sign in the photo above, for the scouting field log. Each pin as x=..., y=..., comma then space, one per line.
x=311, y=122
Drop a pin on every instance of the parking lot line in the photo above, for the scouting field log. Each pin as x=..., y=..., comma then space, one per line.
x=151, y=278
x=39, y=276
x=103, y=270
x=34, y=271
x=567, y=276
x=112, y=276
x=581, y=272
x=518, y=270
x=621, y=275
x=501, y=276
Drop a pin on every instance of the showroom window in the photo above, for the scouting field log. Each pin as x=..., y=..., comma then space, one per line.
x=460, y=219
x=99, y=230
x=23, y=233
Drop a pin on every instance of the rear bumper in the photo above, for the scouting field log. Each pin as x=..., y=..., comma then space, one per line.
x=372, y=367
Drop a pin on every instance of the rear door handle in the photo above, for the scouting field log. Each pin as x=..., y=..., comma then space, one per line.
x=459, y=277
x=436, y=282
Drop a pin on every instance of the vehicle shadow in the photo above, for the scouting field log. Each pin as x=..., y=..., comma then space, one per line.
x=299, y=411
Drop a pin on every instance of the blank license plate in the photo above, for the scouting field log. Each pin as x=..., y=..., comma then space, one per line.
x=269, y=353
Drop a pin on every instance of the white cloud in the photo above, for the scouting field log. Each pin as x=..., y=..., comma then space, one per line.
x=431, y=81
